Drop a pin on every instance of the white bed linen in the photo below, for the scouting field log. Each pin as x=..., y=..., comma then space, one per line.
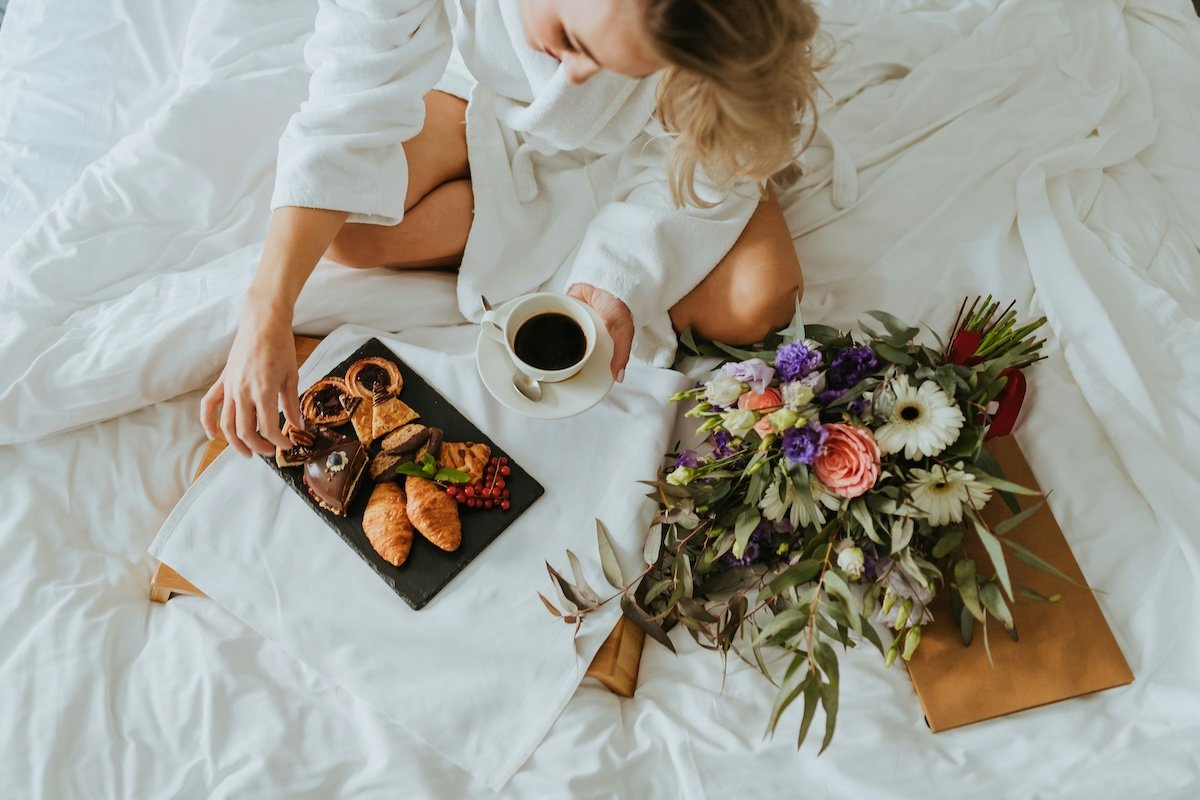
x=106, y=695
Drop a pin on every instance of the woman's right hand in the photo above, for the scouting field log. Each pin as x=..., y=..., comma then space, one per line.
x=259, y=379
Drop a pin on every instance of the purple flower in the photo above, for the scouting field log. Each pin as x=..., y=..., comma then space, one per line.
x=721, y=440
x=803, y=445
x=857, y=407
x=795, y=360
x=754, y=371
x=850, y=366
x=687, y=459
x=828, y=396
x=758, y=537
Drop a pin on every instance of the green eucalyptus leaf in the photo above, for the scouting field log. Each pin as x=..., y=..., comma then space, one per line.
x=993, y=601
x=657, y=589
x=1007, y=525
x=968, y=587
x=992, y=545
x=895, y=325
x=581, y=585
x=784, y=625
x=747, y=521
x=694, y=609
x=1001, y=484
x=789, y=692
x=812, y=694
x=568, y=591
x=829, y=702
x=947, y=544
x=892, y=354
x=639, y=617
x=862, y=516
x=836, y=585
x=796, y=574
x=608, y=557
x=1032, y=559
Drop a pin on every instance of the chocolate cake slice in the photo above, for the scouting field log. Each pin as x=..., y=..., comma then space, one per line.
x=332, y=474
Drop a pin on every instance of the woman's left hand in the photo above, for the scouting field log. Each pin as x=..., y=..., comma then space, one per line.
x=617, y=320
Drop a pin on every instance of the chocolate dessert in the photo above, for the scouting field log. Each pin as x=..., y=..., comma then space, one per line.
x=332, y=474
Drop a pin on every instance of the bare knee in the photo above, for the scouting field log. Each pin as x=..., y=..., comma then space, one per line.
x=763, y=300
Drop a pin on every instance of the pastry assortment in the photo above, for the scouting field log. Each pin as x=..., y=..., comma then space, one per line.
x=418, y=480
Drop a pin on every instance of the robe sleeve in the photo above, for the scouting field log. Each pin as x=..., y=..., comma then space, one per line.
x=647, y=252
x=372, y=62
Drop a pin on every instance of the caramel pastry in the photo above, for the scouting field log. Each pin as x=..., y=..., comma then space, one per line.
x=362, y=419
x=469, y=457
x=405, y=439
x=332, y=474
x=368, y=377
x=389, y=414
x=304, y=444
x=383, y=466
x=433, y=446
x=386, y=523
x=434, y=513
x=327, y=402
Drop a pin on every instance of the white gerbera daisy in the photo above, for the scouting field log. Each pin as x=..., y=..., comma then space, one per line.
x=923, y=421
x=942, y=491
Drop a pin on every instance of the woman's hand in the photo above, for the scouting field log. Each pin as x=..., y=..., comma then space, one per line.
x=617, y=320
x=259, y=379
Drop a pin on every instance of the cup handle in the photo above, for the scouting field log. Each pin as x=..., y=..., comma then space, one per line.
x=493, y=325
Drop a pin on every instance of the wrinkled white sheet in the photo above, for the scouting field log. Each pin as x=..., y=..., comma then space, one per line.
x=966, y=165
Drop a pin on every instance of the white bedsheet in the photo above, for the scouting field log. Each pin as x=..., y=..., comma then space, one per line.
x=965, y=164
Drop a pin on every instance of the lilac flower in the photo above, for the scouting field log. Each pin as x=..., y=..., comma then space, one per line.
x=850, y=366
x=754, y=371
x=795, y=360
x=721, y=440
x=759, y=537
x=828, y=396
x=803, y=445
x=687, y=458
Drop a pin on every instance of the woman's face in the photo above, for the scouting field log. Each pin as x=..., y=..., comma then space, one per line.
x=590, y=35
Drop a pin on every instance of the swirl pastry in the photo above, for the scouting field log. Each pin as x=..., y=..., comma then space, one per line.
x=328, y=402
x=370, y=377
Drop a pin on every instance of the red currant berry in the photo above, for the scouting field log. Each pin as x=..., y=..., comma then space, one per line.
x=469, y=491
x=500, y=484
x=488, y=504
x=505, y=471
x=505, y=505
x=452, y=490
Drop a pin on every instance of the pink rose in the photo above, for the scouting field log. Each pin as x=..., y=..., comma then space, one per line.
x=769, y=400
x=764, y=427
x=849, y=463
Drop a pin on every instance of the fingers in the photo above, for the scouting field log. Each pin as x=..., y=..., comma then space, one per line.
x=247, y=428
x=229, y=427
x=289, y=401
x=622, y=336
x=208, y=408
x=268, y=422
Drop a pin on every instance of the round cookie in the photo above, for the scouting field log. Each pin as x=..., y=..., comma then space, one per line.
x=373, y=377
x=327, y=402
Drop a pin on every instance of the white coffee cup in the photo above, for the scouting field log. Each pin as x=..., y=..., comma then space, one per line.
x=503, y=325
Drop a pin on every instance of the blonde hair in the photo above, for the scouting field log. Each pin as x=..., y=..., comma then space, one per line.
x=741, y=80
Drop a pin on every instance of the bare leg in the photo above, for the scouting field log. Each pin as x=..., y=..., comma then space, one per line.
x=433, y=234
x=438, y=203
x=753, y=290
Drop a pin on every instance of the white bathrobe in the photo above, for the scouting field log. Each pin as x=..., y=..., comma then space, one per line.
x=569, y=181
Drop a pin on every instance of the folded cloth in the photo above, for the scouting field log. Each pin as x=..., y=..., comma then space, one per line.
x=482, y=671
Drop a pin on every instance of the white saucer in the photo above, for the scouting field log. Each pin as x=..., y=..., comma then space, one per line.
x=563, y=399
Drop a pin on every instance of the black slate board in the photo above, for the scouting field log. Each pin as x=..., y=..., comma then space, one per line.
x=428, y=569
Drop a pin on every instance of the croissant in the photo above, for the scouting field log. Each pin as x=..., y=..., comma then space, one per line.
x=434, y=513
x=386, y=523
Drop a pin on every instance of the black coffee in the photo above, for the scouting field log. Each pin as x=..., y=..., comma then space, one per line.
x=550, y=341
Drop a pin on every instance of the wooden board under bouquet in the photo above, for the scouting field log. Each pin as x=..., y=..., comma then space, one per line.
x=1066, y=649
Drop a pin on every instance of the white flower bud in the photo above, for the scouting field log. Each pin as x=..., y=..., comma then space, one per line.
x=723, y=390
x=851, y=560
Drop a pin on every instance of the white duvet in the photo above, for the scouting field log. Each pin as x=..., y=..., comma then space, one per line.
x=1035, y=150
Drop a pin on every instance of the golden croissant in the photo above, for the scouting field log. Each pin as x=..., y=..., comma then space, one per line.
x=434, y=513
x=386, y=523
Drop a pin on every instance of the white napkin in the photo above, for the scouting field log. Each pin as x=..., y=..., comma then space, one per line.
x=483, y=670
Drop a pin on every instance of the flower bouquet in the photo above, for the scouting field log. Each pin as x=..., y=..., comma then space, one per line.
x=835, y=483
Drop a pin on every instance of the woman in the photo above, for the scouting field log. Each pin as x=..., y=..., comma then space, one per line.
x=617, y=149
